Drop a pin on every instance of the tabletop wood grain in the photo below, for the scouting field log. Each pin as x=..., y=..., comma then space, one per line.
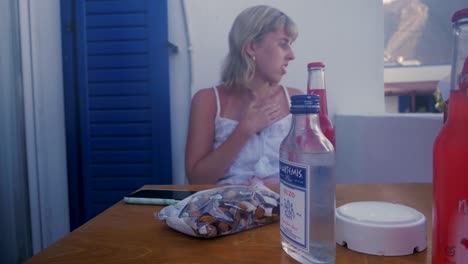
x=130, y=234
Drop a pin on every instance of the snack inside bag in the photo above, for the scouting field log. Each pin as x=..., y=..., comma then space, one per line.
x=222, y=211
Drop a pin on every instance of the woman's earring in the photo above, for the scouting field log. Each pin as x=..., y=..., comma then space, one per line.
x=253, y=58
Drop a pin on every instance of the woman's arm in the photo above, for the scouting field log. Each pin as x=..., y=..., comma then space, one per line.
x=203, y=164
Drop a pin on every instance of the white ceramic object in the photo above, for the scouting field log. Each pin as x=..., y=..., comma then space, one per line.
x=381, y=228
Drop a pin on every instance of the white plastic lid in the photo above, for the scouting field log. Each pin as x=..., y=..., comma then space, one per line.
x=381, y=228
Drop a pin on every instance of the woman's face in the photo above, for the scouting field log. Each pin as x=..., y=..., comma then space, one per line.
x=272, y=55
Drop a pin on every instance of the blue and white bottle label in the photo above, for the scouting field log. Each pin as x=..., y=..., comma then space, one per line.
x=294, y=214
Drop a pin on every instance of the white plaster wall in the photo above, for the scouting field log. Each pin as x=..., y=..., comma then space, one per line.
x=391, y=104
x=180, y=87
x=44, y=120
x=385, y=148
x=416, y=74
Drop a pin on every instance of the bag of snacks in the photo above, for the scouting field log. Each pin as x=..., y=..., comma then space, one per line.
x=222, y=211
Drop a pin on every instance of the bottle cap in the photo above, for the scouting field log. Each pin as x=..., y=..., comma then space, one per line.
x=305, y=104
x=462, y=13
x=381, y=228
x=318, y=64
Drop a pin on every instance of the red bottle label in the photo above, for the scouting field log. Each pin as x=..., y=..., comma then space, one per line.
x=463, y=78
x=460, y=234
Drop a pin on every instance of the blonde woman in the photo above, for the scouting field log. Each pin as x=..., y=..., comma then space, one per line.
x=236, y=127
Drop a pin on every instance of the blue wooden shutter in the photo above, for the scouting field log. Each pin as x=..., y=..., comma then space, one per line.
x=122, y=98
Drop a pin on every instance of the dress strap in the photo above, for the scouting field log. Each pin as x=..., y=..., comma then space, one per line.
x=218, y=104
x=287, y=94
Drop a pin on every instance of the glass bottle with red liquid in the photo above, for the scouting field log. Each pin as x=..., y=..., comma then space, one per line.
x=450, y=193
x=316, y=85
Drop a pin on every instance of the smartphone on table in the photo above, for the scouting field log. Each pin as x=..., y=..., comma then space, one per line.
x=157, y=196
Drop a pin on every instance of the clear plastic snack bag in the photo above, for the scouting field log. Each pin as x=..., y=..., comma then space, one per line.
x=222, y=211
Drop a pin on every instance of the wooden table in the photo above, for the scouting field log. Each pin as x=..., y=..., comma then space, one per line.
x=130, y=234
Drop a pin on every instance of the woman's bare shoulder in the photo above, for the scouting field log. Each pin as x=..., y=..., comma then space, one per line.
x=294, y=91
x=204, y=96
x=204, y=100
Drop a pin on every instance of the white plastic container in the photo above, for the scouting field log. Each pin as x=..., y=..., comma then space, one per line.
x=381, y=228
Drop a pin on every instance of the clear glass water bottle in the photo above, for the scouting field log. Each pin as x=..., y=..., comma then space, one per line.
x=450, y=180
x=307, y=186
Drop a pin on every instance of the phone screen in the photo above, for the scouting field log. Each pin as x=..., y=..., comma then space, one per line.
x=162, y=194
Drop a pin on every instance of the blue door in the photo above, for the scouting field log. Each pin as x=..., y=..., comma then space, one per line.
x=116, y=82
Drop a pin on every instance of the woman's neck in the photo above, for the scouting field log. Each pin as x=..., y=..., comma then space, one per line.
x=261, y=90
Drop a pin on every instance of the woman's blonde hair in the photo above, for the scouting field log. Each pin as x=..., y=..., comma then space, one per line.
x=251, y=25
